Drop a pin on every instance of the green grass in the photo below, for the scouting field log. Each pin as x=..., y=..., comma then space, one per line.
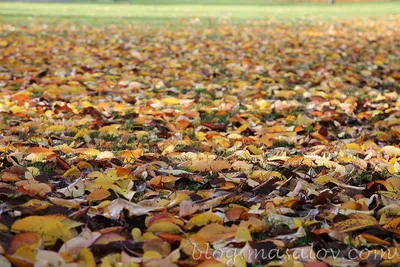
x=158, y=11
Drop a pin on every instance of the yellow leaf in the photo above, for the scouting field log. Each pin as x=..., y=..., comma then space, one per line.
x=48, y=229
x=393, y=226
x=110, y=260
x=69, y=203
x=298, y=161
x=3, y=228
x=165, y=227
x=322, y=180
x=87, y=151
x=141, y=134
x=200, y=136
x=195, y=246
x=73, y=172
x=25, y=255
x=353, y=146
x=170, y=148
x=355, y=161
x=81, y=133
x=3, y=43
x=65, y=220
x=261, y=175
x=353, y=224
x=35, y=204
x=241, y=166
x=375, y=240
x=82, y=121
x=211, y=263
x=131, y=155
x=151, y=255
x=304, y=120
x=391, y=151
x=211, y=166
x=392, y=169
x=394, y=182
x=110, y=129
x=287, y=94
x=136, y=233
x=55, y=128
x=203, y=219
x=34, y=171
x=148, y=236
x=170, y=100
x=86, y=258
x=105, y=155
x=254, y=150
x=243, y=234
x=263, y=104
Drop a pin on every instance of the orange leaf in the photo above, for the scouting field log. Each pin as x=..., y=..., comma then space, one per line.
x=20, y=240
x=216, y=231
x=98, y=194
x=37, y=150
x=104, y=239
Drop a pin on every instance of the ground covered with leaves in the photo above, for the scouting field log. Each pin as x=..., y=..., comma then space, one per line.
x=257, y=144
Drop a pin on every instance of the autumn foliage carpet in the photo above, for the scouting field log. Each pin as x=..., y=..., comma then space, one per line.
x=128, y=146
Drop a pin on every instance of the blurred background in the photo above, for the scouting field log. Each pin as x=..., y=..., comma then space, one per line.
x=208, y=2
x=197, y=11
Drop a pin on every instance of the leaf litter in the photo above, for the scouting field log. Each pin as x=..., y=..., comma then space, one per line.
x=128, y=146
